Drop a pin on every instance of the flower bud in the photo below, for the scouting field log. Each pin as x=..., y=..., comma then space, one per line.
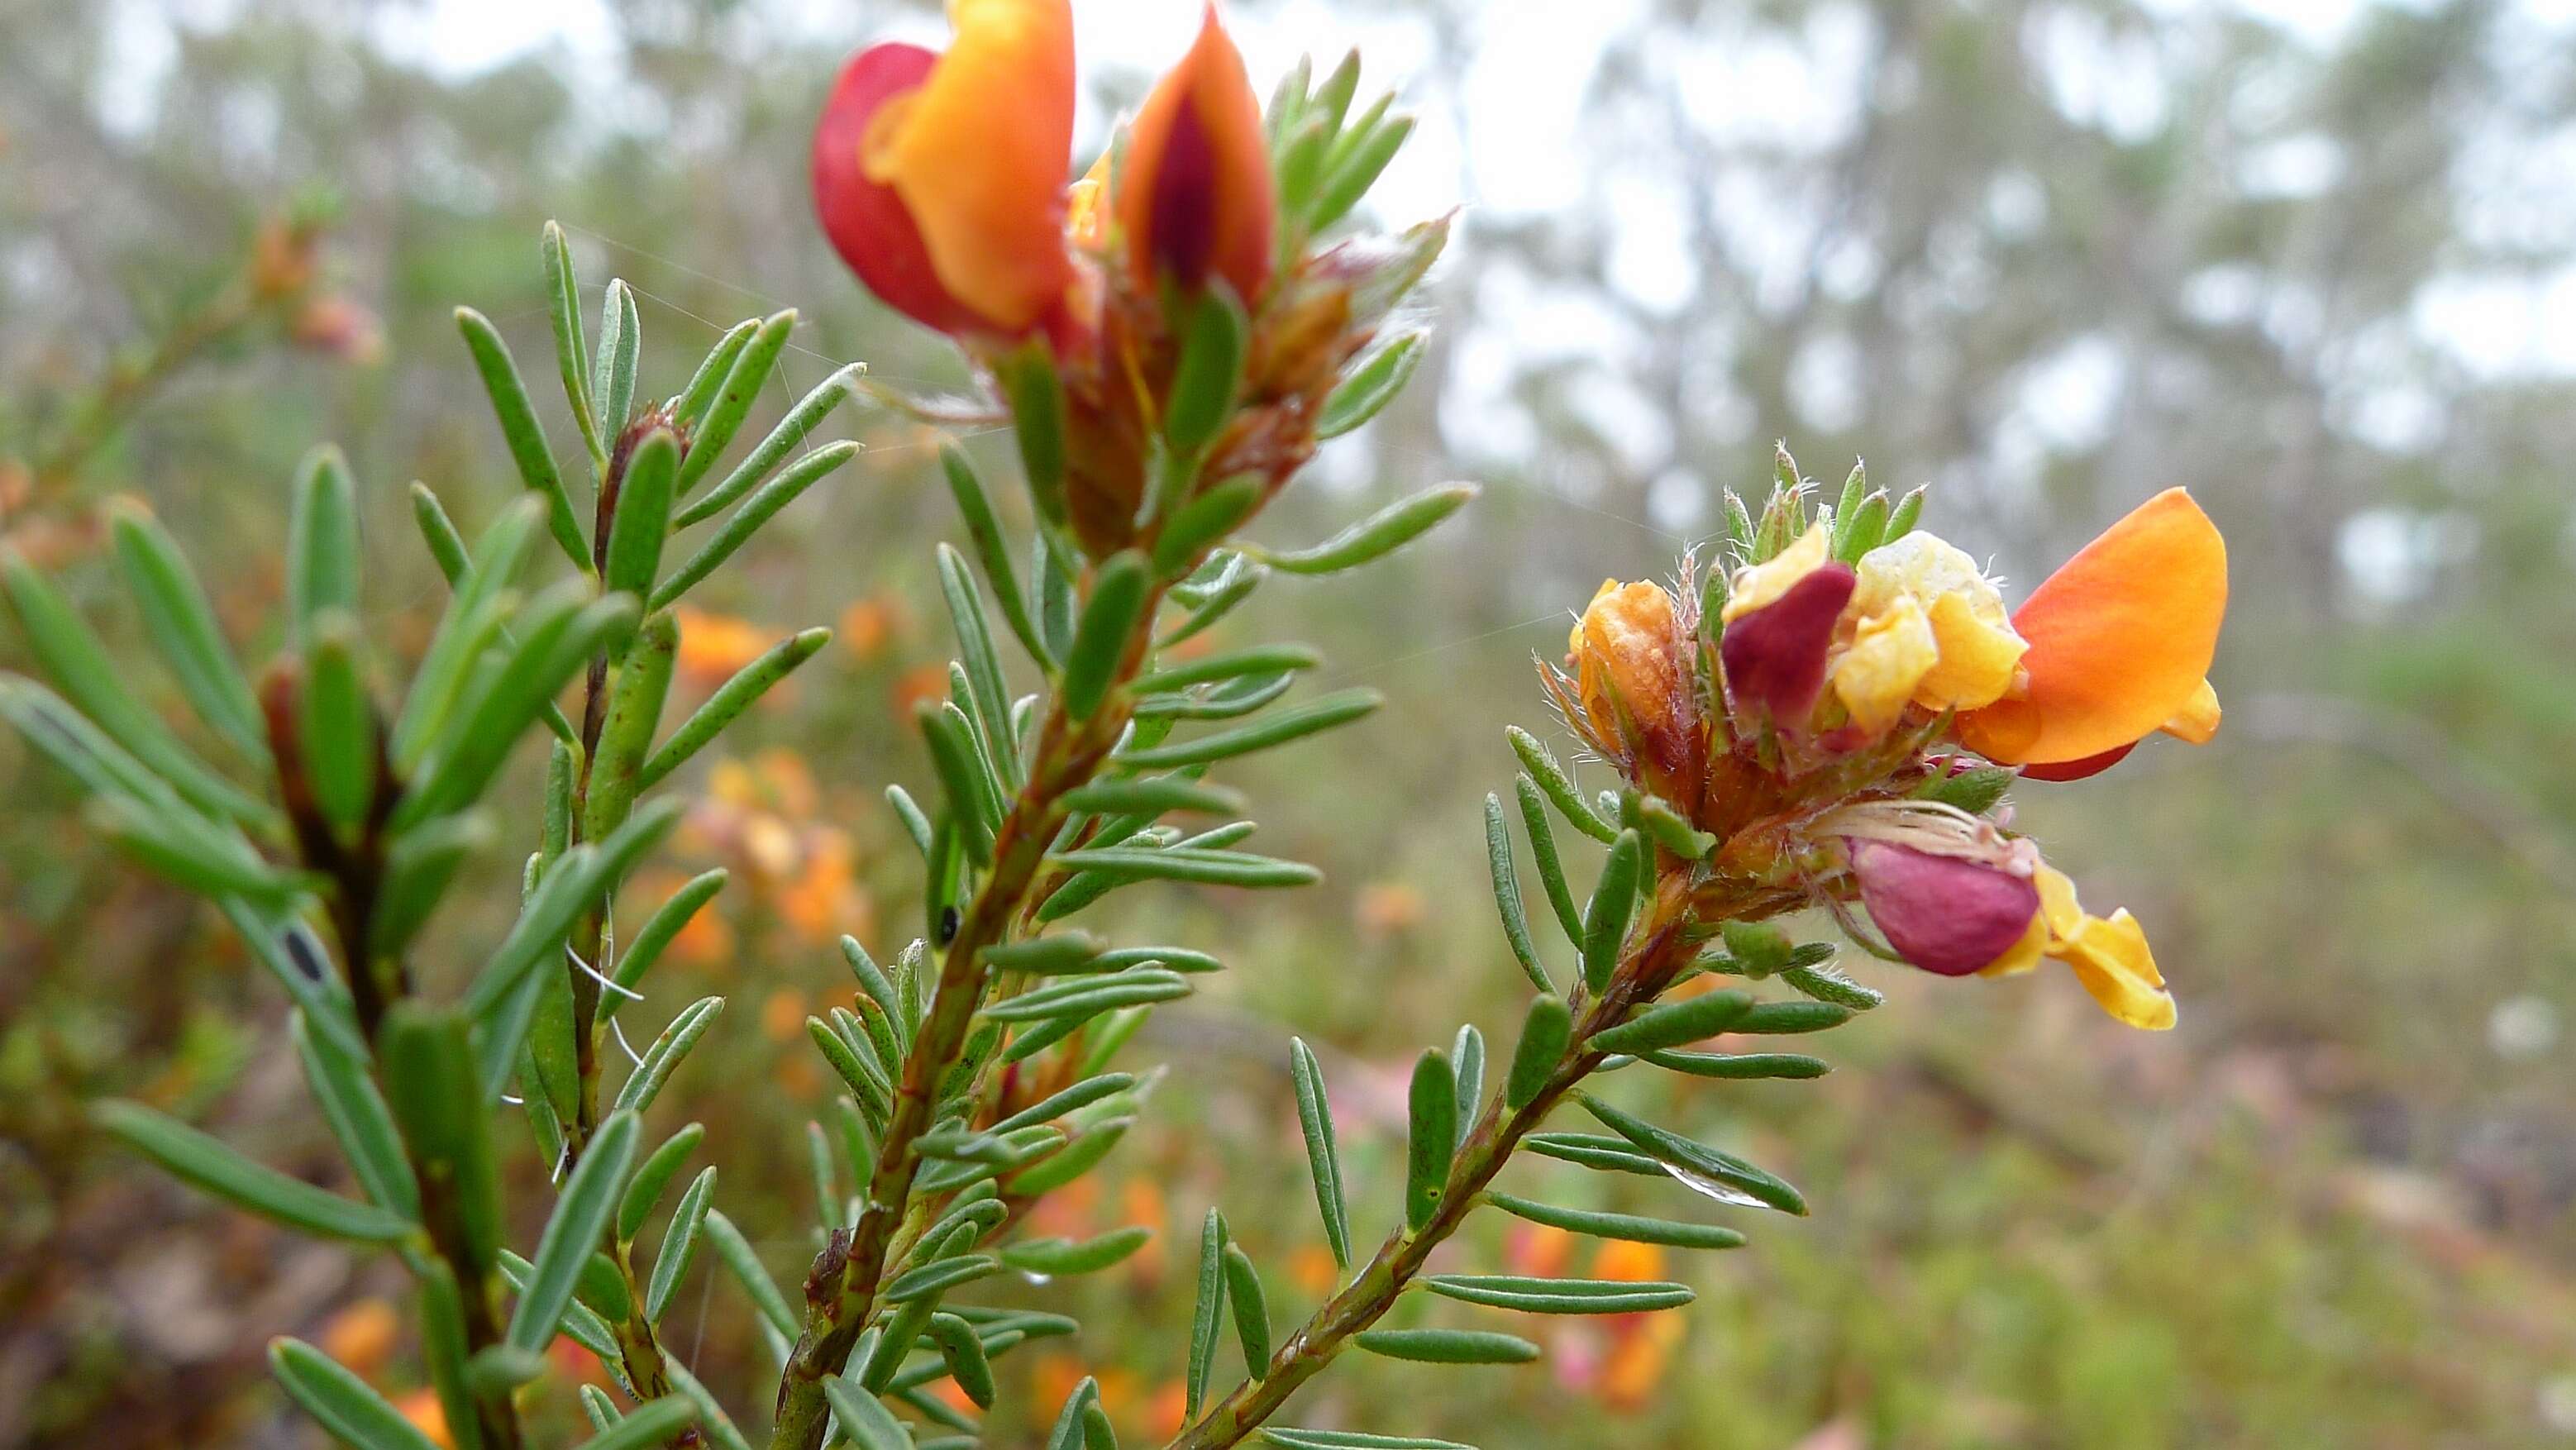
x=1949, y=915
x=1195, y=196
x=1635, y=686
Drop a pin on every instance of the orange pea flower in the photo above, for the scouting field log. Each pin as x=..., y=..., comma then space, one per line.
x=940, y=178
x=1194, y=194
x=2120, y=643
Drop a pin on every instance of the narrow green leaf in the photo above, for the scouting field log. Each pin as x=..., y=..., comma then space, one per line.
x=1827, y=985
x=1100, y=640
x=1559, y=1296
x=759, y=509
x=1558, y=786
x=1432, y=1137
x=581, y=1215
x=430, y=1085
x=962, y=1350
x=1266, y=659
x=1175, y=863
x=520, y=429
x=990, y=698
x=322, y=552
x=331, y=1393
x=1292, y=1439
x=1379, y=534
x=658, y=931
x=1091, y=996
x=1251, y=1310
x=1322, y=713
x=1349, y=175
x=208, y=1164
x=1900, y=522
x=359, y=1120
x=1073, y=1099
x=1627, y=1226
x=1698, y=1159
x=1038, y=408
x=1447, y=1346
x=338, y=732
x=663, y=1057
x=1369, y=387
x=744, y=1264
x=181, y=623
x=1674, y=1023
x=690, y=407
x=984, y=530
x=572, y=350
x=931, y=1280
x=621, y=341
x=643, y=514
x=1600, y=1152
x=1612, y=908
x=1507, y=896
x=1786, y=1017
x=1068, y=1433
x=647, y=1425
x=680, y=1243
x=1544, y=1035
x=864, y=1418
x=1209, y=372
x=654, y=1174
x=742, y=386
x=1234, y=584
x=1065, y=952
x=1323, y=1154
x=1468, y=1053
x=1739, y=1065
x=577, y=883
x=1208, y=1313
x=711, y=1416
x=1152, y=795
x=1056, y=1258
x=972, y=811
x=188, y=850
x=731, y=698
x=1205, y=519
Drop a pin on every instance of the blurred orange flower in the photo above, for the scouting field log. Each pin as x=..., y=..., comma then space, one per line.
x=1388, y=909
x=713, y=646
x=422, y=1408
x=362, y=1336
x=922, y=684
x=870, y=624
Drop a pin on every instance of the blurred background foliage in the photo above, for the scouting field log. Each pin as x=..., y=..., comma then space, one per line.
x=2317, y=261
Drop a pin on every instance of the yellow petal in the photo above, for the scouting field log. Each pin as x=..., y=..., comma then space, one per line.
x=2025, y=954
x=1978, y=656
x=2111, y=959
x=2196, y=722
x=1885, y=663
x=1762, y=583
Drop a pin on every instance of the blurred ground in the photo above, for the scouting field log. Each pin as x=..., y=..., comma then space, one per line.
x=2049, y=256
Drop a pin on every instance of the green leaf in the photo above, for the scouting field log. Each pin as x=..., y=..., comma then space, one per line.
x=864, y=1418
x=962, y=1350
x=1065, y=953
x=1865, y=531
x=1739, y=1065
x=182, y=846
x=1091, y=996
x=972, y=811
x=680, y=1243
x=663, y=1057
x=1627, y=1226
x=1369, y=387
x=1468, y=1052
x=581, y=1323
x=1209, y=373
x=1900, y=522
x=1208, y=1313
x=1152, y=795
x=322, y=552
x=731, y=698
x=1068, y=1432
x=647, y=1425
x=760, y=508
x=79, y=665
x=793, y=430
x=1657, y=818
x=1266, y=659
x=689, y=409
x=572, y=350
x=931, y=1280
x=354, y=1414
x=1698, y=1159
x=1322, y=713
x=1379, y=534
x=742, y=385
x=635, y=701
x=1447, y=1346
x=581, y=1216
x=1251, y=1310
x=1323, y=1154
x=359, y=1120
x=1507, y=896
x=1432, y=1137
x=1354, y=166
x=1558, y=787
x=1038, y=408
x=1100, y=640
x=1559, y=1296
x=430, y=1086
x=984, y=530
x=989, y=697
x=1602, y=1153
x=744, y=1264
x=511, y=690
x=1613, y=907
x=206, y=1163
x=642, y=520
x=1827, y=985
x=1674, y=1023
x=1787, y=1017
x=658, y=931
x=181, y=623
x=520, y=429
x=654, y=1174
x=338, y=727
x=1227, y=701
x=1206, y=518
x=1544, y=1035
x=1175, y=863
x=711, y=1415
x=1073, y=1099
x=1056, y=1257
x=1234, y=583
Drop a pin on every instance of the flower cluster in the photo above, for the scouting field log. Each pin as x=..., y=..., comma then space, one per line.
x=1836, y=719
x=942, y=179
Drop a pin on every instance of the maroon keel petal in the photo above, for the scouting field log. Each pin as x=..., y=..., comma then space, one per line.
x=1775, y=656
x=1941, y=913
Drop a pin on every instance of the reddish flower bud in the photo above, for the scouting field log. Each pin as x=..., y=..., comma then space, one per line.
x=1195, y=195
x=1946, y=914
x=1775, y=655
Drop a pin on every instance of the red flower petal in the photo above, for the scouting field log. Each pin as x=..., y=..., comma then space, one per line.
x=1775, y=656
x=867, y=222
x=1944, y=914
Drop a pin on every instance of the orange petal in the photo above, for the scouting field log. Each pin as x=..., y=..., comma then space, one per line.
x=978, y=154
x=1194, y=193
x=2120, y=639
